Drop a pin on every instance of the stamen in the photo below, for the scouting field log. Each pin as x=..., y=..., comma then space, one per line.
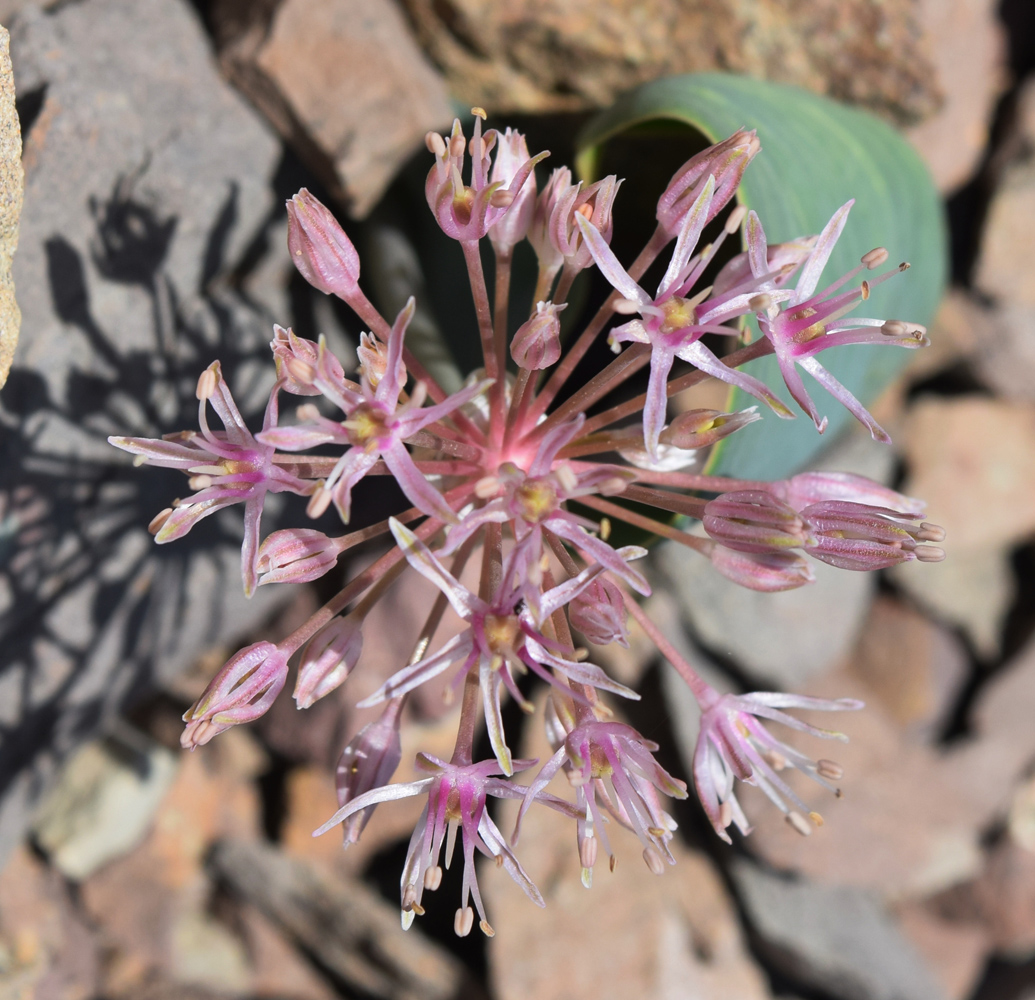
x=725, y=814
x=929, y=553
x=307, y=412
x=436, y=144
x=486, y=928
x=830, y=770
x=457, y=145
x=653, y=861
x=612, y=862
x=931, y=532
x=158, y=520
x=480, y=113
x=760, y=303
x=588, y=852
x=816, y=818
x=199, y=482
x=433, y=878
x=206, y=384
x=463, y=922
x=320, y=501
x=865, y=289
x=301, y=371
x=874, y=259
x=605, y=528
x=501, y=198
x=736, y=217
x=626, y=307
x=799, y=822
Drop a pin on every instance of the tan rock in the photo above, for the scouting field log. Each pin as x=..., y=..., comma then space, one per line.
x=973, y=460
x=955, y=951
x=966, y=42
x=539, y=55
x=346, y=83
x=12, y=184
x=913, y=666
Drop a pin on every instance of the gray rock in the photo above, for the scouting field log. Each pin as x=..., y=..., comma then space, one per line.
x=147, y=177
x=836, y=939
x=103, y=803
x=780, y=639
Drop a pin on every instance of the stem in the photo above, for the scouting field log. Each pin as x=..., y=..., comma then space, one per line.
x=701, y=689
x=677, y=503
x=501, y=305
x=543, y=285
x=707, y=484
x=481, y=307
x=702, y=545
x=564, y=285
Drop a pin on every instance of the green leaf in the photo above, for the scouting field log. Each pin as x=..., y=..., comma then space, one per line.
x=816, y=154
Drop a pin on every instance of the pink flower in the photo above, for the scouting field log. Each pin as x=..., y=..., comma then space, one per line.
x=501, y=642
x=226, y=467
x=377, y=427
x=296, y=555
x=807, y=321
x=537, y=343
x=733, y=743
x=320, y=250
x=673, y=324
x=456, y=802
x=511, y=157
x=599, y=613
x=328, y=659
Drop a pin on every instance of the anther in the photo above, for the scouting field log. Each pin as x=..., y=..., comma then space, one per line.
x=566, y=477
x=929, y=553
x=139, y=460
x=931, y=532
x=486, y=487
x=612, y=862
x=409, y=897
x=605, y=528
x=588, y=852
x=904, y=266
x=501, y=198
x=307, y=412
x=435, y=143
x=653, y=861
x=158, y=520
x=874, y=259
x=736, y=217
x=206, y=384
x=865, y=289
x=199, y=482
x=760, y=303
x=580, y=654
x=777, y=760
x=799, y=822
x=613, y=486
x=626, y=307
x=301, y=371
x=725, y=814
x=457, y=145
x=830, y=770
x=480, y=112
x=486, y=928
x=816, y=818
x=463, y=921
x=433, y=878
x=895, y=328
x=319, y=502
x=498, y=859
x=586, y=211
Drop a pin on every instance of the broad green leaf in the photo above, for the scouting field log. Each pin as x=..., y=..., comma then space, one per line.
x=816, y=154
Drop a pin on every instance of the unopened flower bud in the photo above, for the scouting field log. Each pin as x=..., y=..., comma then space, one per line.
x=595, y=203
x=768, y=572
x=726, y=160
x=599, y=614
x=511, y=156
x=367, y=762
x=299, y=361
x=862, y=537
x=753, y=521
x=813, y=487
x=537, y=343
x=328, y=659
x=320, y=250
x=295, y=555
x=242, y=691
x=700, y=428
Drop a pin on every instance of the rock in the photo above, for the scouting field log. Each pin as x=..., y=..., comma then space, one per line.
x=345, y=82
x=834, y=938
x=103, y=803
x=966, y=42
x=905, y=827
x=989, y=765
x=914, y=667
x=562, y=55
x=350, y=930
x=961, y=328
x=133, y=219
x=972, y=589
x=46, y=949
x=1006, y=359
x=12, y=184
x=955, y=951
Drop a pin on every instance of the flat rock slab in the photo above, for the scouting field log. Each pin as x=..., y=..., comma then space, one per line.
x=833, y=938
x=147, y=177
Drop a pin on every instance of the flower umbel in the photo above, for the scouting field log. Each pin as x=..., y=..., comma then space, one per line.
x=524, y=476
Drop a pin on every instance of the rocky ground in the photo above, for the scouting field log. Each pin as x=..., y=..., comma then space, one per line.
x=160, y=139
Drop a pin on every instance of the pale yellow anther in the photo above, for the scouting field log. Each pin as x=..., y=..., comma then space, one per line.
x=486, y=928
x=480, y=113
x=799, y=822
x=301, y=371
x=159, y=520
x=736, y=217
x=207, y=382
x=725, y=814
x=874, y=259
x=816, y=818
x=626, y=307
x=199, y=482
x=605, y=528
x=435, y=143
